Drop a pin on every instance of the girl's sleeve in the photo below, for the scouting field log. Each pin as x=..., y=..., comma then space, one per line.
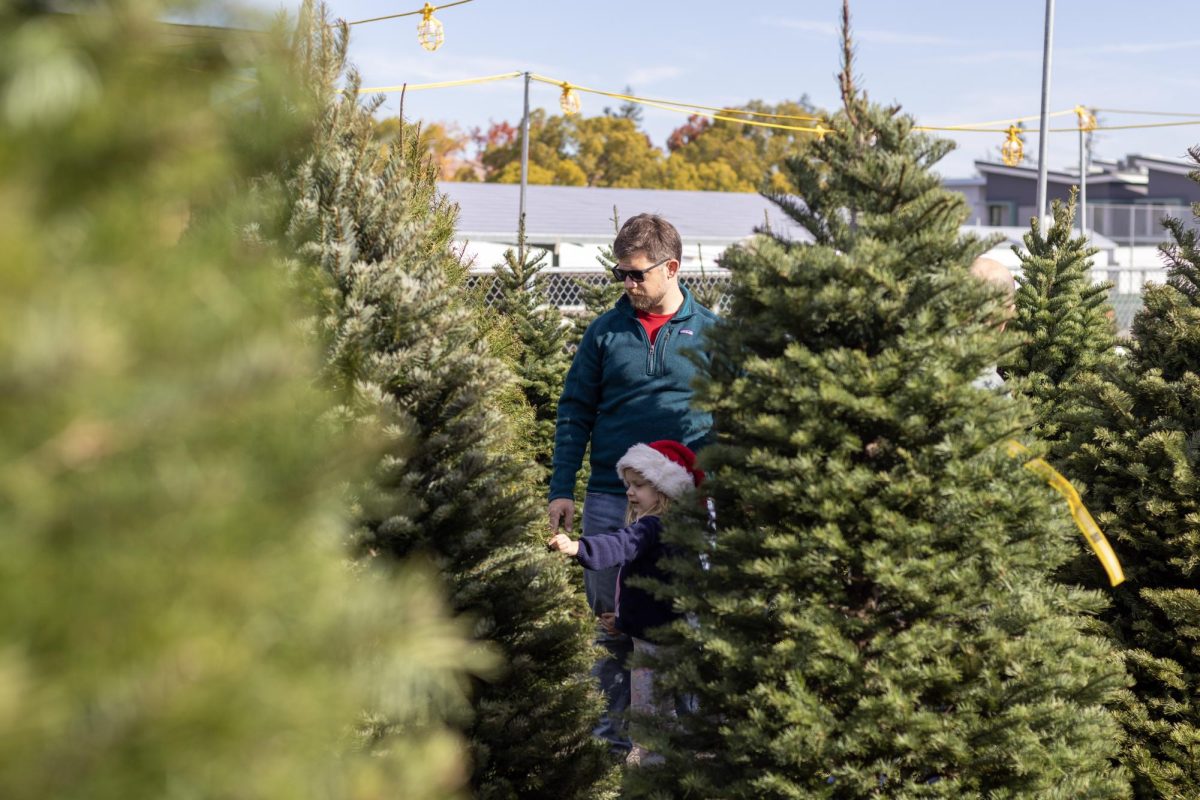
x=604, y=550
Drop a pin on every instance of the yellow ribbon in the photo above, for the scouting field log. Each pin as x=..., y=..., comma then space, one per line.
x=1083, y=519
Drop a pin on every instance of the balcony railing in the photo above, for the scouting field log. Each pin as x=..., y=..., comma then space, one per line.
x=1128, y=223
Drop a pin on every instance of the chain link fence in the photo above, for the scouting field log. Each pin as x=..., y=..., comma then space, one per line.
x=562, y=287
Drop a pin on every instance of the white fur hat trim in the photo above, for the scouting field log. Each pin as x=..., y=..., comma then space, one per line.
x=669, y=477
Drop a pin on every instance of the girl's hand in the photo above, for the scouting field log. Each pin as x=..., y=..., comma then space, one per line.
x=563, y=544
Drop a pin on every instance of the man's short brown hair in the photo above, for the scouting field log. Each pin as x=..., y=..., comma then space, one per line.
x=649, y=234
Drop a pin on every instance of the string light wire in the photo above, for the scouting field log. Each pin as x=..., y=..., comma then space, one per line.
x=718, y=113
x=410, y=87
x=408, y=14
x=661, y=103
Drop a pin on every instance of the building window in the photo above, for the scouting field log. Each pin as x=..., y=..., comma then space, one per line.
x=999, y=214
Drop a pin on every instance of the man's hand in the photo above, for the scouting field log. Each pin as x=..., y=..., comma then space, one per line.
x=561, y=512
x=563, y=544
x=608, y=621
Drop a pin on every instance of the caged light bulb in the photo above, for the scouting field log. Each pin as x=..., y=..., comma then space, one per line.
x=429, y=30
x=569, y=102
x=1012, y=151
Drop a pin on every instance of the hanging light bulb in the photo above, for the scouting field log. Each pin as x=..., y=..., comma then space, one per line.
x=570, y=100
x=1012, y=151
x=429, y=30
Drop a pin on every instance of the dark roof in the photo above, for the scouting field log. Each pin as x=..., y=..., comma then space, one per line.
x=584, y=213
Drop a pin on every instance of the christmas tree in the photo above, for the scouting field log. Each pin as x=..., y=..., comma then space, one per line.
x=540, y=333
x=407, y=353
x=1142, y=467
x=177, y=618
x=1065, y=324
x=874, y=616
x=601, y=296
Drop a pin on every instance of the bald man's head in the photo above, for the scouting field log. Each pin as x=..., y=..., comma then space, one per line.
x=989, y=270
x=993, y=272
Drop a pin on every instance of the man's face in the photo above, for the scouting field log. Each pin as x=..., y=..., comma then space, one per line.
x=651, y=292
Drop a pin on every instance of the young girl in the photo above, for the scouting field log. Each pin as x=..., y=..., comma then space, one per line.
x=654, y=475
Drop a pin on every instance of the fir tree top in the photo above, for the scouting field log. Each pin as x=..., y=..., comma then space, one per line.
x=874, y=616
x=1065, y=323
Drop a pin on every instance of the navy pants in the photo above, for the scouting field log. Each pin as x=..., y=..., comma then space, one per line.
x=605, y=513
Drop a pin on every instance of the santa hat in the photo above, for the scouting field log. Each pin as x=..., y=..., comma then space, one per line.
x=668, y=465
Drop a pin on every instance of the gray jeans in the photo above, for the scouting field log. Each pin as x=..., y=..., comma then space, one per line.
x=605, y=513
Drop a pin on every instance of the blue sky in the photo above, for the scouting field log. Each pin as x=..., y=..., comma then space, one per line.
x=945, y=62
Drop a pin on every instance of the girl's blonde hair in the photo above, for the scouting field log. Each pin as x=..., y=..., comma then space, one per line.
x=660, y=506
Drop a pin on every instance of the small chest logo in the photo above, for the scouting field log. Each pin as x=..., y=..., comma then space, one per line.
x=686, y=332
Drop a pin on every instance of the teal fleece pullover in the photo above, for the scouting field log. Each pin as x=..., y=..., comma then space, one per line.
x=620, y=391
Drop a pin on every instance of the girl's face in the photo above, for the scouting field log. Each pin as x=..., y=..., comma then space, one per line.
x=642, y=496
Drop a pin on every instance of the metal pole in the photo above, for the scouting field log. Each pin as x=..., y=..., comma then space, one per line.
x=1087, y=162
x=1042, y=131
x=1082, y=184
x=524, y=173
x=1132, y=239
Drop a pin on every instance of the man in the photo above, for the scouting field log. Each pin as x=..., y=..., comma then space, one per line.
x=991, y=271
x=630, y=382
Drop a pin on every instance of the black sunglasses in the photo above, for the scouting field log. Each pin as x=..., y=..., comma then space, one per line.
x=638, y=275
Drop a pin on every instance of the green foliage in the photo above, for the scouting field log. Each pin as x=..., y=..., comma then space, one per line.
x=541, y=332
x=1065, y=323
x=874, y=616
x=612, y=150
x=411, y=358
x=725, y=155
x=1143, y=471
x=176, y=616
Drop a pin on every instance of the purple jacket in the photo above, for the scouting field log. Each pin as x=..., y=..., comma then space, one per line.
x=636, y=549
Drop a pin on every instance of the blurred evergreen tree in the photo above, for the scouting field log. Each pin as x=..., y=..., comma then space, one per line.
x=875, y=615
x=411, y=355
x=177, y=618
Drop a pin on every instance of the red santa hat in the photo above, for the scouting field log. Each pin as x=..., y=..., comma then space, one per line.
x=668, y=465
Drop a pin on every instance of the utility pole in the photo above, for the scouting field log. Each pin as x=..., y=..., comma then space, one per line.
x=1043, y=132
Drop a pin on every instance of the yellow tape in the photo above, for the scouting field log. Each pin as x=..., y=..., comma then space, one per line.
x=1083, y=519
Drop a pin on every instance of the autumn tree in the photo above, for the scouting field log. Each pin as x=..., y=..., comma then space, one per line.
x=612, y=150
x=445, y=143
x=721, y=155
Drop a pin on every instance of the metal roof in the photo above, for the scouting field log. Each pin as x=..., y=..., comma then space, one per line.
x=584, y=213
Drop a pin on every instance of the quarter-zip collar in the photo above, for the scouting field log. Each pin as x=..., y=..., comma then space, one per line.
x=686, y=309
